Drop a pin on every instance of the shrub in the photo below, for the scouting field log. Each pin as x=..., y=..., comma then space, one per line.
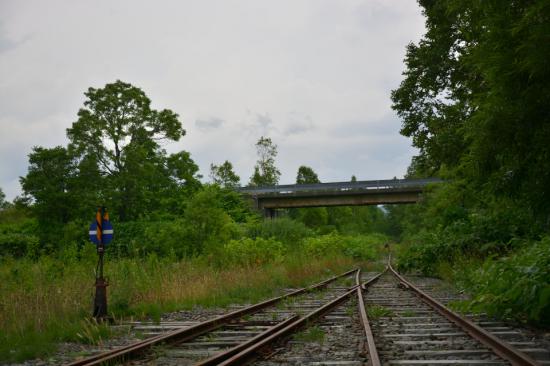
x=252, y=252
x=287, y=231
x=361, y=247
x=479, y=235
x=515, y=286
x=18, y=244
x=364, y=247
x=19, y=239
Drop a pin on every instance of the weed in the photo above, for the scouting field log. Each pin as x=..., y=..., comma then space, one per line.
x=210, y=337
x=350, y=310
x=376, y=311
x=408, y=313
x=42, y=305
x=246, y=317
x=93, y=332
x=348, y=282
x=158, y=350
x=312, y=334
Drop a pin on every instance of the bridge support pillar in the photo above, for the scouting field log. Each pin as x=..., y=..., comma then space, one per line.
x=269, y=213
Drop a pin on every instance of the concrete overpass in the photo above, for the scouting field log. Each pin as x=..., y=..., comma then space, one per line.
x=373, y=192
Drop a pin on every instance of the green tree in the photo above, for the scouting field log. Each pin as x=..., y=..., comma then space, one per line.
x=314, y=217
x=224, y=175
x=118, y=129
x=476, y=97
x=50, y=182
x=265, y=171
x=306, y=175
x=208, y=226
x=2, y=199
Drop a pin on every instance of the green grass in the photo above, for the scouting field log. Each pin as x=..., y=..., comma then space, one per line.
x=351, y=309
x=47, y=301
x=312, y=334
x=376, y=311
x=408, y=313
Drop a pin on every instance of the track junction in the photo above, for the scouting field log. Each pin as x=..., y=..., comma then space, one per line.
x=351, y=319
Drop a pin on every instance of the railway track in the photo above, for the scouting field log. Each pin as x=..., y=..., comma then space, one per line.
x=231, y=332
x=376, y=319
x=412, y=328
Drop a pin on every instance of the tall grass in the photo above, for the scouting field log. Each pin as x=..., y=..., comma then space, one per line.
x=46, y=301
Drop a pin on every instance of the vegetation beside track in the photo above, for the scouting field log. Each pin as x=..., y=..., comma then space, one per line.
x=497, y=254
x=475, y=101
x=47, y=300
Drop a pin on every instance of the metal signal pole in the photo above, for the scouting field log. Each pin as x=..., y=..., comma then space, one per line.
x=100, y=300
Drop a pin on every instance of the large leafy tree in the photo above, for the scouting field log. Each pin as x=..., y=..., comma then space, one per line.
x=312, y=216
x=265, y=171
x=58, y=192
x=224, y=175
x=306, y=175
x=119, y=130
x=49, y=182
x=476, y=97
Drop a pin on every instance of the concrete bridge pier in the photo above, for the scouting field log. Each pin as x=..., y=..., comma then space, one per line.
x=269, y=213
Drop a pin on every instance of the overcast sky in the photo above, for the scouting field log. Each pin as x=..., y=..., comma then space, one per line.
x=315, y=76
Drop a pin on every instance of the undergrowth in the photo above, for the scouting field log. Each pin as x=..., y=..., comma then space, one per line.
x=46, y=301
x=514, y=284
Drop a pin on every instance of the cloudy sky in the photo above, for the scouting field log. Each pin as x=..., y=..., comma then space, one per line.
x=315, y=76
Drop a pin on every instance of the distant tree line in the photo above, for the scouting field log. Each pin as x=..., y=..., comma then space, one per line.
x=115, y=158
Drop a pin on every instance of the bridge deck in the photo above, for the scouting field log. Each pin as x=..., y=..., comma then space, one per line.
x=373, y=192
x=336, y=188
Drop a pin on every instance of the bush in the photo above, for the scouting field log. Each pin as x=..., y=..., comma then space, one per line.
x=208, y=226
x=287, y=231
x=515, y=286
x=364, y=247
x=165, y=239
x=479, y=235
x=361, y=247
x=252, y=252
x=19, y=239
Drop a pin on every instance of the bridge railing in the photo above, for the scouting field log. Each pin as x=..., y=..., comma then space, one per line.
x=340, y=186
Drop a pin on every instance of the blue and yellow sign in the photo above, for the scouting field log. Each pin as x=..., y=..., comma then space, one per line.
x=101, y=230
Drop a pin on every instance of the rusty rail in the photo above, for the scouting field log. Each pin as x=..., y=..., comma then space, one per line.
x=220, y=357
x=253, y=351
x=371, y=346
x=497, y=345
x=127, y=352
x=247, y=355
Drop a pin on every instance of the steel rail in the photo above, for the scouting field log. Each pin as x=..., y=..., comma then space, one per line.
x=196, y=330
x=497, y=345
x=220, y=357
x=253, y=351
x=371, y=346
x=250, y=353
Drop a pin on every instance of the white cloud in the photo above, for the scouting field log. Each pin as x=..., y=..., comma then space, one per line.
x=209, y=123
x=313, y=75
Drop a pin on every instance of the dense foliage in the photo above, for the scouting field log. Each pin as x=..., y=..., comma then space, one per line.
x=224, y=175
x=514, y=286
x=476, y=97
x=476, y=101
